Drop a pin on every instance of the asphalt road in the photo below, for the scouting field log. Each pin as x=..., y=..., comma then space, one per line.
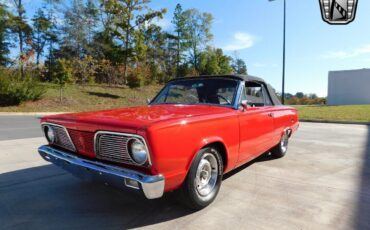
x=323, y=183
x=18, y=127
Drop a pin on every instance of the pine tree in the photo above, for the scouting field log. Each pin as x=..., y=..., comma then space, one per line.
x=180, y=36
x=129, y=15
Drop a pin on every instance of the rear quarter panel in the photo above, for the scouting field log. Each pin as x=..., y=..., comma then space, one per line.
x=285, y=117
x=174, y=144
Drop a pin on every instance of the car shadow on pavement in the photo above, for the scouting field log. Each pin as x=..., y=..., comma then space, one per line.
x=46, y=197
x=362, y=215
x=264, y=157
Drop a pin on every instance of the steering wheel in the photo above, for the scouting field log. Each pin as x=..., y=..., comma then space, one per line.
x=223, y=98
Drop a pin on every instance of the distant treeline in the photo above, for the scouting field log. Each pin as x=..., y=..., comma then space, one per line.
x=304, y=99
x=108, y=41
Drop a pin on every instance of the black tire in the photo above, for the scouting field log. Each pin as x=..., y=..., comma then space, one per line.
x=280, y=149
x=190, y=194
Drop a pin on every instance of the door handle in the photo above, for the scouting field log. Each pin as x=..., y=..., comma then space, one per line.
x=270, y=114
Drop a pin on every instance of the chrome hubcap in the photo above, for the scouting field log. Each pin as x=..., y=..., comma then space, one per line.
x=206, y=176
x=284, y=143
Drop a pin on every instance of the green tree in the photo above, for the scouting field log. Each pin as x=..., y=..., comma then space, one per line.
x=299, y=95
x=180, y=37
x=239, y=66
x=4, y=35
x=20, y=26
x=128, y=16
x=212, y=61
x=41, y=27
x=74, y=43
x=63, y=75
x=198, y=25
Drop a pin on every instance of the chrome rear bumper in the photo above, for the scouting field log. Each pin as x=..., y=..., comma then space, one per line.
x=151, y=186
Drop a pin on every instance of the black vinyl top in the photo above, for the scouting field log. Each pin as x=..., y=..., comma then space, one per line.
x=247, y=78
x=235, y=76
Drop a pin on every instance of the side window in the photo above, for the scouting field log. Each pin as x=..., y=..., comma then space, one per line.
x=267, y=97
x=257, y=95
x=254, y=94
x=244, y=95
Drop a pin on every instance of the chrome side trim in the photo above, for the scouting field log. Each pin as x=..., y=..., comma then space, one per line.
x=129, y=135
x=151, y=186
x=65, y=130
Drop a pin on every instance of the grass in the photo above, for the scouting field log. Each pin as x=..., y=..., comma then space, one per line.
x=86, y=98
x=95, y=97
x=358, y=113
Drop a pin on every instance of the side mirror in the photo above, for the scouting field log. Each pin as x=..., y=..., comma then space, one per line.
x=148, y=101
x=244, y=104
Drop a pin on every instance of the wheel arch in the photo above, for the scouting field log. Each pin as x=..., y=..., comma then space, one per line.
x=215, y=142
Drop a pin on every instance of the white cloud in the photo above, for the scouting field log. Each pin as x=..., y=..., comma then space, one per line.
x=240, y=41
x=347, y=54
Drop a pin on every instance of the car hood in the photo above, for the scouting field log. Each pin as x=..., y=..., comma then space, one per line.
x=132, y=118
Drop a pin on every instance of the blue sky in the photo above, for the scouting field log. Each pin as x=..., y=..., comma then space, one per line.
x=253, y=28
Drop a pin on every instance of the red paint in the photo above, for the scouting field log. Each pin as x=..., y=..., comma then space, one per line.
x=175, y=133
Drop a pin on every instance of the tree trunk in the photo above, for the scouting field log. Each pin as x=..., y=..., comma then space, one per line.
x=61, y=94
x=178, y=55
x=125, y=60
x=20, y=37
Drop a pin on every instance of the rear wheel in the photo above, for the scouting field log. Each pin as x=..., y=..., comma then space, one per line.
x=280, y=149
x=204, y=179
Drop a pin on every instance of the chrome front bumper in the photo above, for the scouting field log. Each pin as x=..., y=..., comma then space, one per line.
x=151, y=186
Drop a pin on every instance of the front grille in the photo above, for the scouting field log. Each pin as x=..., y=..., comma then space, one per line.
x=113, y=147
x=83, y=141
x=62, y=138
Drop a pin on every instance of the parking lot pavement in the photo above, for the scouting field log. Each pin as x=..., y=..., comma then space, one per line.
x=323, y=183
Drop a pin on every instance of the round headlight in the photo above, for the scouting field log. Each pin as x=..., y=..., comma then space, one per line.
x=138, y=151
x=49, y=134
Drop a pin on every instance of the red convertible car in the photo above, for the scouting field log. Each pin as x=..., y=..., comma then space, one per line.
x=192, y=133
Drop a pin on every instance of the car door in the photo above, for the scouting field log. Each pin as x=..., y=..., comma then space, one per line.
x=256, y=122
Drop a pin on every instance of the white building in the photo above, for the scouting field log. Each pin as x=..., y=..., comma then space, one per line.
x=349, y=87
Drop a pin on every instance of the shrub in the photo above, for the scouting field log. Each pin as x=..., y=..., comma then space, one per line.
x=14, y=91
x=138, y=76
x=133, y=80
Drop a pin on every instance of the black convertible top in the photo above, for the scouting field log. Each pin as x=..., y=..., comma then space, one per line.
x=247, y=78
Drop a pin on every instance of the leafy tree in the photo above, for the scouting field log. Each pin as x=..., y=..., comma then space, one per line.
x=198, y=25
x=4, y=35
x=312, y=96
x=63, y=75
x=41, y=27
x=239, y=66
x=84, y=70
x=213, y=61
x=20, y=26
x=74, y=42
x=180, y=37
x=299, y=95
x=128, y=16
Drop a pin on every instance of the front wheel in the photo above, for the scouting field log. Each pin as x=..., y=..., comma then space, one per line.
x=203, y=180
x=280, y=149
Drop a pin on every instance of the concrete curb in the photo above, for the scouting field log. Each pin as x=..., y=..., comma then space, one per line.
x=337, y=122
x=36, y=114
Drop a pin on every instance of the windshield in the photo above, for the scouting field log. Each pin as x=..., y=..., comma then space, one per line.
x=213, y=91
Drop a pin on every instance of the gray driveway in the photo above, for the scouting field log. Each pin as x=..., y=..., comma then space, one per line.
x=323, y=183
